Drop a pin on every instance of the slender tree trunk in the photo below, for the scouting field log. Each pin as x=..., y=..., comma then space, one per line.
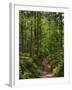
x=37, y=29
x=40, y=36
x=35, y=32
x=31, y=38
x=22, y=37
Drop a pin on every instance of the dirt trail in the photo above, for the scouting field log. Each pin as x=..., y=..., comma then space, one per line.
x=47, y=73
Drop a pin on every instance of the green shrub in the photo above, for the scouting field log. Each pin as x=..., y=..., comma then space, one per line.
x=56, y=71
x=25, y=54
x=26, y=75
x=28, y=67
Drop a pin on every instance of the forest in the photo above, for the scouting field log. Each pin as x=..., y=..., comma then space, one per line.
x=41, y=44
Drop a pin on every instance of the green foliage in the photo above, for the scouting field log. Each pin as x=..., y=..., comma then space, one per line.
x=41, y=35
x=30, y=68
x=56, y=71
x=59, y=70
x=26, y=75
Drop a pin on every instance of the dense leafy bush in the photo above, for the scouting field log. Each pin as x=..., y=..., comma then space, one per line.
x=28, y=68
x=56, y=71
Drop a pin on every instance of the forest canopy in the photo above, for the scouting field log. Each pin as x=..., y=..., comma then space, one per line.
x=41, y=44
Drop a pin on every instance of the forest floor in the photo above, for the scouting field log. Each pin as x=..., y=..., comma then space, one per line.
x=47, y=73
